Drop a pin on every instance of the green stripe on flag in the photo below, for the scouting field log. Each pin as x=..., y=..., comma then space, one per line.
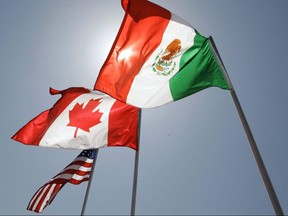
x=199, y=69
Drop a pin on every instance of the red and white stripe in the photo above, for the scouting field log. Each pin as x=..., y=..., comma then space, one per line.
x=76, y=172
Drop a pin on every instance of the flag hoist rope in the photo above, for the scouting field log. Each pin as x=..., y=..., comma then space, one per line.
x=89, y=183
x=258, y=158
x=135, y=178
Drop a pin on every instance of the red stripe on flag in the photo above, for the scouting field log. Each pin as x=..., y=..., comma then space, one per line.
x=76, y=182
x=34, y=130
x=40, y=198
x=71, y=180
x=132, y=47
x=77, y=172
x=34, y=198
x=80, y=163
x=43, y=197
x=48, y=191
x=56, y=189
x=123, y=131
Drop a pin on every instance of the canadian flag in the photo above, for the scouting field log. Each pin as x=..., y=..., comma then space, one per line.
x=82, y=119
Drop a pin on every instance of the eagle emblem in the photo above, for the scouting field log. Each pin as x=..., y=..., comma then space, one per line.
x=164, y=64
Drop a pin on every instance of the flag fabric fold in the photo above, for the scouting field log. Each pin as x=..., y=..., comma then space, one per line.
x=82, y=119
x=75, y=173
x=157, y=58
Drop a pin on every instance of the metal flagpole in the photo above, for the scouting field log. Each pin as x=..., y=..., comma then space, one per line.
x=258, y=158
x=134, y=190
x=89, y=183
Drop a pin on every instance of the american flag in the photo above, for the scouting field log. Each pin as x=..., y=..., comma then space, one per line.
x=76, y=172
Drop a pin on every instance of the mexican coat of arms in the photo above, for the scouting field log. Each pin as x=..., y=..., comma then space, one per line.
x=163, y=63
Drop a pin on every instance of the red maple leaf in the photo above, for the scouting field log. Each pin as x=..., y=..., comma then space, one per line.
x=84, y=118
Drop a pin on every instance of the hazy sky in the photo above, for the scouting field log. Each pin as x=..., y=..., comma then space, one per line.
x=194, y=155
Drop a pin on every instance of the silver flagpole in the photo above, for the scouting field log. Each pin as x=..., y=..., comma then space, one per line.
x=135, y=179
x=258, y=158
x=89, y=183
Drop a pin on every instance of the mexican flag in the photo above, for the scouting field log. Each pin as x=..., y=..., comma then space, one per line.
x=157, y=58
x=82, y=119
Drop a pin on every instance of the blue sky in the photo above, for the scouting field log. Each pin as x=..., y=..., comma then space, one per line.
x=194, y=155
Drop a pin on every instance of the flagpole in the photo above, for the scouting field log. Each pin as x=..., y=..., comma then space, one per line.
x=257, y=155
x=135, y=178
x=89, y=183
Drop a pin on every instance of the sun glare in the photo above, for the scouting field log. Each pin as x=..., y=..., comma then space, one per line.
x=125, y=54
